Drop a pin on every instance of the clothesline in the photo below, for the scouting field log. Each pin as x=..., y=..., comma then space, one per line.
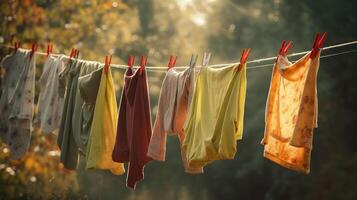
x=88, y=99
x=324, y=56
x=158, y=68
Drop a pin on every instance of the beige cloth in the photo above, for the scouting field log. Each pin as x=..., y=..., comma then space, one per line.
x=291, y=113
x=174, y=100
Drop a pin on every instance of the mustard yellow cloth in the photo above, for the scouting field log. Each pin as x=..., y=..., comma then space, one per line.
x=291, y=113
x=215, y=119
x=103, y=130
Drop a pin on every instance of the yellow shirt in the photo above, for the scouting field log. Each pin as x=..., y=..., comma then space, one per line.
x=215, y=119
x=103, y=130
x=291, y=113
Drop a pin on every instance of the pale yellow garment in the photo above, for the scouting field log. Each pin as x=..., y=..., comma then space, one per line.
x=291, y=113
x=215, y=119
x=103, y=130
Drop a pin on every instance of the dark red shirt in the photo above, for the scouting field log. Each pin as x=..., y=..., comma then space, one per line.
x=134, y=126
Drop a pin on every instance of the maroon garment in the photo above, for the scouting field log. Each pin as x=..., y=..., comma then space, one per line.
x=134, y=126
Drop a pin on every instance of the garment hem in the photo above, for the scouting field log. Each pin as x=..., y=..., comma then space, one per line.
x=285, y=164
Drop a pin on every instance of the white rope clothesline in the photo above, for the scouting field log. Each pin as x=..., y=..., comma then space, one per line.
x=324, y=56
x=157, y=68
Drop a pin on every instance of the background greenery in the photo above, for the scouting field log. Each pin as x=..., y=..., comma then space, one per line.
x=182, y=27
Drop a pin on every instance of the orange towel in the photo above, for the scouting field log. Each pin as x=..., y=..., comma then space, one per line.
x=291, y=113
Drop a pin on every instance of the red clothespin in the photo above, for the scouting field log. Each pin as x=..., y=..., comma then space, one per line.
x=285, y=48
x=131, y=61
x=108, y=60
x=49, y=49
x=33, y=49
x=16, y=46
x=172, y=62
x=77, y=53
x=72, y=53
x=319, y=41
x=244, y=58
x=143, y=62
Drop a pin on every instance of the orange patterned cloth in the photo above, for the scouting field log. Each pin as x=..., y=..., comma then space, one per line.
x=291, y=113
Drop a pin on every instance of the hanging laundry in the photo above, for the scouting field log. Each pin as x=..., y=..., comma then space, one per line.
x=215, y=119
x=16, y=103
x=103, y=130
x=134, y=126
x=84, y=108
x=291, y=113
x=174, y=100
x=50, y=102
x=72, y=108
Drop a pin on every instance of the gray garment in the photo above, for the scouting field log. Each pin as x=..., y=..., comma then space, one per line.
x=174, y=100
x=50, y=101
x=88, y=89
x=89, y=86
x=16, y=102
x=71, y=115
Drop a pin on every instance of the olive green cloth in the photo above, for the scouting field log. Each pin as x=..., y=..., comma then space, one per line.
x=70, y=137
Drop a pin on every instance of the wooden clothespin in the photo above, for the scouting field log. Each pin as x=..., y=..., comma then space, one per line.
x=77, y=53
x=172, y=62
x=49, y=49
x=16, y=46
x=243, y=58
x=143, y=62
x=206, y=58
x=193, y=60
x=72, y=53
x=108, y=61
x=285, y=48
x=131, y=61
x=33, y=49
x=319, y=41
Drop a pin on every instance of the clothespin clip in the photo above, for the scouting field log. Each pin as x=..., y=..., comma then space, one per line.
x=33, y=49
x=285, y=48
x=319, y=41
x=243, y=58
x=49, y=49
x=77, y=53
x=172, y=62
x=131, y=61
x=143, y=62
x=16, y=46
x=72, y=53
x=205, y=59
x=108, y=60
x=193, y=60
